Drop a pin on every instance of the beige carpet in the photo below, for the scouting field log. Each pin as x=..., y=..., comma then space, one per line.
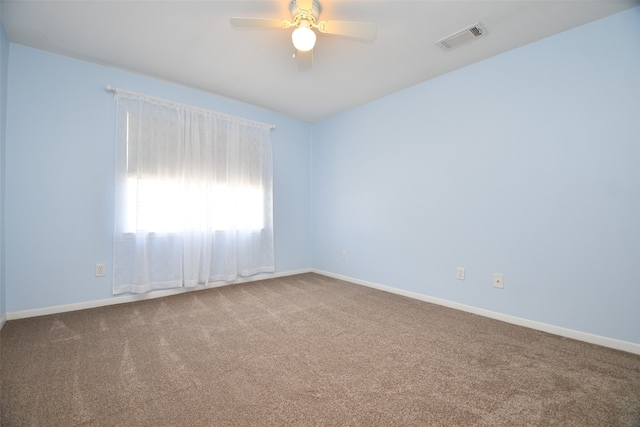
x=304, y=350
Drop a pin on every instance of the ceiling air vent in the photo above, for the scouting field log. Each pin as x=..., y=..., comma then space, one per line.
x=461, y=37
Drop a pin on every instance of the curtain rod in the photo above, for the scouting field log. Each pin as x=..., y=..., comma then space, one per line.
x=114, y=89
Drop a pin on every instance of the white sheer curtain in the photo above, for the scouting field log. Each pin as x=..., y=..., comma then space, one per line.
x=194, y=196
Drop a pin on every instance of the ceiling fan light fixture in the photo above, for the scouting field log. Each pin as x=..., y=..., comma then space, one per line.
x=303, y=37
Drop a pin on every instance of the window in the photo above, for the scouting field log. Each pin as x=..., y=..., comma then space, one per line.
x=160, y=199
x=166, y=206
x=193, y=196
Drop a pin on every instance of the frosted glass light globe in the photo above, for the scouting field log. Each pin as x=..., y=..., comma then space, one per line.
x=303, y=37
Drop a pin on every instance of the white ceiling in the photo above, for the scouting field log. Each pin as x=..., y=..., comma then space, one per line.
x=192, y=43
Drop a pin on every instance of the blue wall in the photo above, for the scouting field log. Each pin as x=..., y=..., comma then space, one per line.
x=59, y=192
x=4, y=62
x=526, y=164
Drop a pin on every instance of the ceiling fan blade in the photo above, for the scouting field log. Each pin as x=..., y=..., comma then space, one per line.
x=259, y=23
x=305, y=59
x=361, y=30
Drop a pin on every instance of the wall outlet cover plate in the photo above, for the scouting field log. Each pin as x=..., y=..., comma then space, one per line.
x=498, y=280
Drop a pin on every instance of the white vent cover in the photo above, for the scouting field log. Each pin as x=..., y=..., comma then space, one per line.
x=462, y=37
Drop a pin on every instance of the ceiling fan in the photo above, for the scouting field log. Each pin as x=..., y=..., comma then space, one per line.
x=304, y=14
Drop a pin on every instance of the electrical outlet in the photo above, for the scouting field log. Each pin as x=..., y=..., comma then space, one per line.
x=344, y=254
x=101, y=270
x=460, y=273
x=498, y=280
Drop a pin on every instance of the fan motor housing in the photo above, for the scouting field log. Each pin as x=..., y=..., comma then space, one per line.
x=298, y=14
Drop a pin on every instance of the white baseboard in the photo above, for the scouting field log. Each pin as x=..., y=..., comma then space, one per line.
x=139, y=297
x=556, y=330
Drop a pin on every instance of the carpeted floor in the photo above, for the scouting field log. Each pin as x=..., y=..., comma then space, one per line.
x=304, y=350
